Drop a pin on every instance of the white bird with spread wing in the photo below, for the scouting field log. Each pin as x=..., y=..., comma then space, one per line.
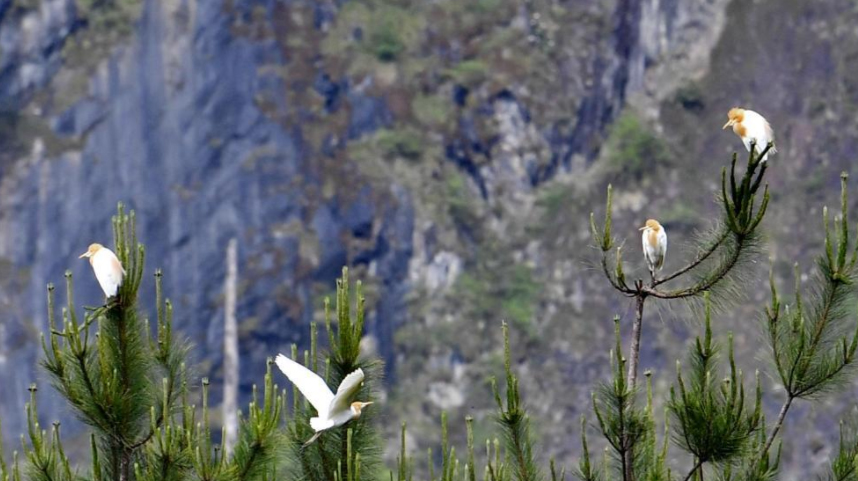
x=333, y=410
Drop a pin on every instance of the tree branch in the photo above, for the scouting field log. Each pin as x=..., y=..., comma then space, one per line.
x=615, y=282
x=694, y=290
x=697, y=466
x=780, y=422
x=702, y=256
x=634, y=350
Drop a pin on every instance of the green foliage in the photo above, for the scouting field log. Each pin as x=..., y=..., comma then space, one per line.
x=506, y=460
x=406, y=143
x=110, y=16
x=114, y=378
x=386, y=37
x=469, y=72
x=713, y=419
x=843, y=467
x=46, y=461
x=723, y=251
x=623, y=424
x=338, y=453
x=459, y=203
x=130, y=388
x=813, y=343
x=107, y=22
x=388, y=30
x=260, y=438
x=514, y=423
x=690, y=97
x=633, y=147
x=432, y=110
x=586, y=471
x=502, y=291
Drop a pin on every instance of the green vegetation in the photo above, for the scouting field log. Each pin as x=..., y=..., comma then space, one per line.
x=432, y=110
x=459, y=202
x=105, y=24
x=26, y=4
x=396, y=45
x=469, y=72
x=714, y=421
x=498, y=289
x=690, y=97
x=632, y=148
x=131, y=386
x=387, y=30
x=132, y=389
x=406, y=143
x=18, y=132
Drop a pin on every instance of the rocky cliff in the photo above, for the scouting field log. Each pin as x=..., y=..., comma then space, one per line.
x=448, y=151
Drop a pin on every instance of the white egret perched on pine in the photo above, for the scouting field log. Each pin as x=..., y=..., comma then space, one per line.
x=654, y=240
x=108, y=270
x=751, y=127
x=332, y=410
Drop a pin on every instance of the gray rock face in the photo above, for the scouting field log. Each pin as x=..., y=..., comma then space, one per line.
x=173, y=129
x=182, y=123
x=30, y=43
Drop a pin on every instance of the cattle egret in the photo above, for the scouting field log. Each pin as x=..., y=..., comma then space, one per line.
x=332, y=410
x=108, y=269
x=654, y=241
x=751, y=127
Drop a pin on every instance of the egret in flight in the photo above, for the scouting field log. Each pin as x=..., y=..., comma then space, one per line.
x=332, y=409
x=108, y=270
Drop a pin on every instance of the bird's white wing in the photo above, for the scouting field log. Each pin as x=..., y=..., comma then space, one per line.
x=108, y=271
x=309, y=383
x=348, y=388
x=770, y=134
x=759, y=130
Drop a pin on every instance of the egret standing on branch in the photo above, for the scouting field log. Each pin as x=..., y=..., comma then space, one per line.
x=108, y=270
x=654, y=240
x=751, y=127
x=332, y=410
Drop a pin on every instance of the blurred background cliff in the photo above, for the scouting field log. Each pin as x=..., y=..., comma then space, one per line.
x=448, y=151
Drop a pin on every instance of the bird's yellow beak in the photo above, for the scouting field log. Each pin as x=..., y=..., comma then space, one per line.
x=728, y=124
x=642, y=228
x=85, y=254
x=366, y=403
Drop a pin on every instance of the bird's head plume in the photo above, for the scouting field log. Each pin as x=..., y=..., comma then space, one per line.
x=734, y=116
x=651, y=224
x=357, y=406
x=93, y=248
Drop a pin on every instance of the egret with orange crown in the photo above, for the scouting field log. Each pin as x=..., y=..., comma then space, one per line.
x=654, y=240
x=331, y=410
x=751, y=127
x=108, y=270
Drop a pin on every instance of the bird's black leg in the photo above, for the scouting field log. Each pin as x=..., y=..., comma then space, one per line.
x=310, y=441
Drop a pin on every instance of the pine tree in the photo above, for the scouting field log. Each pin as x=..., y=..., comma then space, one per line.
x=812, y=345
x=338, y=454
x=129, y=385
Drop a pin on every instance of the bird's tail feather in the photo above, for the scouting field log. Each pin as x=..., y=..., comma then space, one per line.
x=318, y=424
